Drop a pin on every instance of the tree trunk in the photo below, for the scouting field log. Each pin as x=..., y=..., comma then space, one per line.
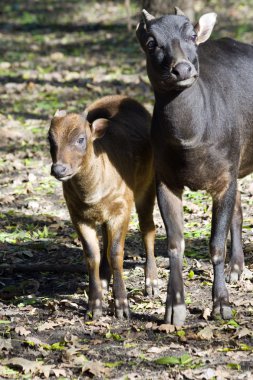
x=161, y=7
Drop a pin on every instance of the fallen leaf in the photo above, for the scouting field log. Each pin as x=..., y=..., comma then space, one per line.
x=47, y=326
x=206, y=313
x=22, y=331
x=167, y=328
x=96, y=368
x=156, y=350
x=206, y=333
x=244, y=332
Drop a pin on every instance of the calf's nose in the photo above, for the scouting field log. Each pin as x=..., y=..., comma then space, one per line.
x=58, y=170
x=183, y=70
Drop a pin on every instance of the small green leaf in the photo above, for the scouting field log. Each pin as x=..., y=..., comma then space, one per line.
x=168, y=360
x=234, y=366
x=185, y=359
x=191, y=274
x=113, y=365
x=232, y=322
x=181, y=333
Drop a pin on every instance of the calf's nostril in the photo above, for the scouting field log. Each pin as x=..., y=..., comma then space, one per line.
x=58, y=170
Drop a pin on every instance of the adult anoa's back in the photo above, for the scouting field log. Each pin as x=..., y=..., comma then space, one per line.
x=202, y=134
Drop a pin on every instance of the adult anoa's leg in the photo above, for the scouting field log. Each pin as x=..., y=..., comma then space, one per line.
x=223, y=207
x=236, y=263
x=105, y=270
x=170, y=204
x=144, y=207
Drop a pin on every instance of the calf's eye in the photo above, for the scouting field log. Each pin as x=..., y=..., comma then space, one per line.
x=80, y=141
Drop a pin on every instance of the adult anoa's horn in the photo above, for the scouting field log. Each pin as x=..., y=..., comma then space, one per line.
x=147, y=16
x=178, y=12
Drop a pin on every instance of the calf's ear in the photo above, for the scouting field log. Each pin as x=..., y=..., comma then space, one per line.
x=204, y=27
x=60, y=113
x=98, y=128
x=142, y=27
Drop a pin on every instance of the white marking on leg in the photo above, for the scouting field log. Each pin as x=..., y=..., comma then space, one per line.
x=97, y=302
x=236, y=268
x=182, y=246
x=178, y=297
x=155, y=282
x=125, y=302
x=117, y=303
x=148, y=281
x=215, y=258
x=104, y=284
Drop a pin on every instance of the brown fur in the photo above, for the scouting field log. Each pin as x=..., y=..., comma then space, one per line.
x=111, y=172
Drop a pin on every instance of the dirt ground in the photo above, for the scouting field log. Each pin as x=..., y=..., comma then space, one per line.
x=64, y=55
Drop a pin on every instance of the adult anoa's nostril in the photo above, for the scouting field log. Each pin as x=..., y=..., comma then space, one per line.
x=182, y=70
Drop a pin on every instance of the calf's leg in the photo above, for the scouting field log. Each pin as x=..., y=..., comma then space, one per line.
x=117, y=229
x=144, y=208
x=236, y=264
x=89, y=240
x=223, y=206
x=170, y=204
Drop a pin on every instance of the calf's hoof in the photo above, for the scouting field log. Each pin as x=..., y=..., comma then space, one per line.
x=122, y=308
x=175, y=314
x=95, y=309
x=151, y=287
x=222, y=309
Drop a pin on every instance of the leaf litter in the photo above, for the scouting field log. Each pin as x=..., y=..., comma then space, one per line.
x=65, y=57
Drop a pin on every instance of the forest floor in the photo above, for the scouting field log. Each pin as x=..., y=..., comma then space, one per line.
x=64, y=55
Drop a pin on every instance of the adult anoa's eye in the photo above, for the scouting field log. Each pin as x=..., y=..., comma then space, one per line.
x=193, y=37
x=151, y=43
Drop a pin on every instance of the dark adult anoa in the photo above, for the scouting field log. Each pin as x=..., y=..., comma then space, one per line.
x=202, y=134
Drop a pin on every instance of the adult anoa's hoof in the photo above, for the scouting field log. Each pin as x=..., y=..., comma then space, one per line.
x=222, y=309
x=175, y=314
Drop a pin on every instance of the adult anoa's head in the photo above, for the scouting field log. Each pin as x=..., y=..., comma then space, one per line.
x=171, y=43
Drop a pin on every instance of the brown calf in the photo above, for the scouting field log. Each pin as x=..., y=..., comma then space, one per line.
x=105, y=161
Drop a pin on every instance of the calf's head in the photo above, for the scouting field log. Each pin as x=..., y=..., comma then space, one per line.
x=70, y=136
x=170, y=43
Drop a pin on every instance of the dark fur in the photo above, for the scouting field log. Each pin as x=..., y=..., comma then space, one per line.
x=202, y=136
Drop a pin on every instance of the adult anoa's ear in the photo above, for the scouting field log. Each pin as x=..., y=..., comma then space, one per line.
x=98, y=128
x=142, y=28
x=204, y=27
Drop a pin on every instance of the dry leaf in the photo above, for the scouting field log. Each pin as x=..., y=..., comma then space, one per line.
x=206, y=313
x=243, y=332
x=28, y=366
x=47, y=326
x=96, y=369
x=156, y=350
x=22, y=331
x=206, y=333
x=166, y=327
